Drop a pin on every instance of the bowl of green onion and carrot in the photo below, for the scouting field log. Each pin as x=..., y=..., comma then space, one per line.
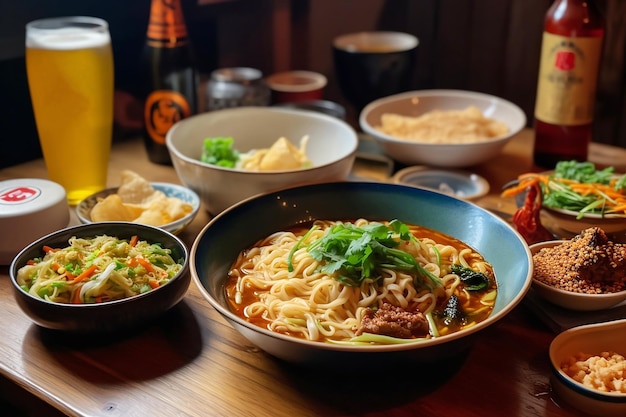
x=577, y=195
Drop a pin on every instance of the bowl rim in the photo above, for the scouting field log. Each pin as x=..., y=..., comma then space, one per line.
x=568, y=381
x=274, y=109
x=342, y=42
x=230, y=316
x=176, y=225
x=370, y=129
x=14, y=267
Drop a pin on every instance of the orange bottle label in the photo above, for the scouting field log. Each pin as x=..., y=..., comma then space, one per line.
x=568, y=76
x=167, y=24
x=163, y=108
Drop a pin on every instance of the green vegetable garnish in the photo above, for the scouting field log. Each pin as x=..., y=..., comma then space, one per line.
x=219, y=151
x=473, y=280
x=559, y=194
x=353, y=254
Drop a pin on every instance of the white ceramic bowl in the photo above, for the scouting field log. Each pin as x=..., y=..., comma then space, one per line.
x=456, y=182
x=331, y=148
x=83, y=209
x=573, y=300
x=233, y=230
x=416, y=103
x=591, y=339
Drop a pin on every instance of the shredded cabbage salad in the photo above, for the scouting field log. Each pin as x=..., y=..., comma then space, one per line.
x=98, y=270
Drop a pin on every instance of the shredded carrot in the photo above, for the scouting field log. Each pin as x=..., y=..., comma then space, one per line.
x=76, y=296
x=47, y=249
x=521, y=186
x=153, y=283
x=133, y=240
x=145, y=263
x=85, y=274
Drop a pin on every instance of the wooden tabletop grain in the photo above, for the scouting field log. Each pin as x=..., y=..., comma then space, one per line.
x=192, y=363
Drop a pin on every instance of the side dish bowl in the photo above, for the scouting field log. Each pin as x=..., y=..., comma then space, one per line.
x=218, y=244
x=331, y=148
x=573, y=300
x=451, y=155
x=592, y=339
x=106, y=317
x=83, y=209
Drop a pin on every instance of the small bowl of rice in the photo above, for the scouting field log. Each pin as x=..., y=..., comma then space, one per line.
x=443, y=128
x=589, y=368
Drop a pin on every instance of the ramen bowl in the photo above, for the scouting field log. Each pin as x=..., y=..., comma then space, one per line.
x=226, y=235
x=102, y=318
x=590, y=339
x=331, y=148
x=569, y=299
x=184, y=194
x=438, y=153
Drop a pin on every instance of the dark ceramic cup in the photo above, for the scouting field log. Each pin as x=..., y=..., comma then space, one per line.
x=375, y=64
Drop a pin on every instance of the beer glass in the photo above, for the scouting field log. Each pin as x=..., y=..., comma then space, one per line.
x=69, y=62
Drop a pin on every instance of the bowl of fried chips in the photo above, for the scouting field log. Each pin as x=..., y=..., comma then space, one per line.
x=168, y=206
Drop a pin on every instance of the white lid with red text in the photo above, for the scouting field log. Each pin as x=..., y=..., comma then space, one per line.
x=30, y=208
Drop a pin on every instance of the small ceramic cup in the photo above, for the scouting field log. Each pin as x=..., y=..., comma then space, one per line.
x=374, y=64
x=291, y=86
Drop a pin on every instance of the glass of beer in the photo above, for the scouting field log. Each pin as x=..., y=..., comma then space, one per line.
x=69, y=62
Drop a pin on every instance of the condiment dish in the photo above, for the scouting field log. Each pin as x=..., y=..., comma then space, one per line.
x=591, y=339
x=454, y=182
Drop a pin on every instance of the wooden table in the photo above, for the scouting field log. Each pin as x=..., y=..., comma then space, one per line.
x=192, y=363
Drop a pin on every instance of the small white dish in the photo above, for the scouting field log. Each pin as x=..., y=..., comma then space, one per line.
x=457, y=183
x=83, y=209
x=591, y=339
x=572, y=300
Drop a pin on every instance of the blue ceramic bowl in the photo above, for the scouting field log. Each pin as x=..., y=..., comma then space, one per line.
x=235, y=229
x=83, y=209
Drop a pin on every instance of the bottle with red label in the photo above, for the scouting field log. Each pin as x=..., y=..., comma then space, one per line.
x=568, y=73
x=171, y=78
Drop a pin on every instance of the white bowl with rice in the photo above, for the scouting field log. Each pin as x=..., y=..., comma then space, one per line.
x=444, y=128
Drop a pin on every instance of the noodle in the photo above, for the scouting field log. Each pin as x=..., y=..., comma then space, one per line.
x=309, y=303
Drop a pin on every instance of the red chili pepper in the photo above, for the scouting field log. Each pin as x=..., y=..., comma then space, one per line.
x=527, y=218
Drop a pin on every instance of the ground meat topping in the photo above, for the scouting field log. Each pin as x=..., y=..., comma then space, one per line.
x=393, y=321
x=588, y=263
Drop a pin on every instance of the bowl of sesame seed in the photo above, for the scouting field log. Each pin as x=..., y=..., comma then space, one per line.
x=585, y=273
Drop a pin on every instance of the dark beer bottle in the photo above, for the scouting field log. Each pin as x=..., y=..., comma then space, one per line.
x=568, y=73
x=171, y=77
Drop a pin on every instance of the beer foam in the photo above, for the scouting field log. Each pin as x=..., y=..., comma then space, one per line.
x=67, y=39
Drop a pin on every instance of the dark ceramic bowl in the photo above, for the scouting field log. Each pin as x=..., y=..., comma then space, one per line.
x=110, y=316
x=235, y=229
